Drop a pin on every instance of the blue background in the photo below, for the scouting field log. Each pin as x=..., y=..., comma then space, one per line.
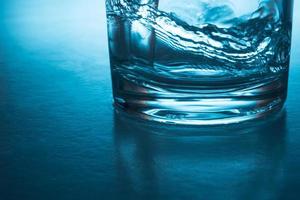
x=60, y=137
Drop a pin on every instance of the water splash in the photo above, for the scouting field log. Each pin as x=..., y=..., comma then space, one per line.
x=215, y=43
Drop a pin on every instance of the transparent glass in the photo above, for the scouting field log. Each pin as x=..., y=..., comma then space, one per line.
x=199, y=61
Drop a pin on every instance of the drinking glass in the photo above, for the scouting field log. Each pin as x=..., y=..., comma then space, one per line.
x=201, y=62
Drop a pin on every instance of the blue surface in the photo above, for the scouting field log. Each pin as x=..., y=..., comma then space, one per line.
x=60, y=138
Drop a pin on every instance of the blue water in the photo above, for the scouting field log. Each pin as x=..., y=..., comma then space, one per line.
x=185, y=53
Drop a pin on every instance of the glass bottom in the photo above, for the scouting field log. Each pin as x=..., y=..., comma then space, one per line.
x=213, y=108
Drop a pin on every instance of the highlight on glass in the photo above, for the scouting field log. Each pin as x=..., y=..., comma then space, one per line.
x=199, y=62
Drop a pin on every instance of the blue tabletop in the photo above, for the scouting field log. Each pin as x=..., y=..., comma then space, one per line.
x=61, y=139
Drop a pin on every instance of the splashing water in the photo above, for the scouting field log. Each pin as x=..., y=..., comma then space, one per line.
x=203, y=41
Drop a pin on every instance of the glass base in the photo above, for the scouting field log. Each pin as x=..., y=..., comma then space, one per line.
x=205, y=112
x=196, y=108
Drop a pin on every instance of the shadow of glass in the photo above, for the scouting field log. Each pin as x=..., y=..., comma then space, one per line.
x=225, y=162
